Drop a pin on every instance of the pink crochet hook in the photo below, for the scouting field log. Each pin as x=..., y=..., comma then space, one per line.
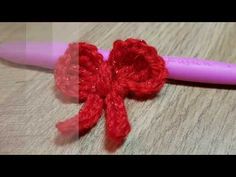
x=46, y=54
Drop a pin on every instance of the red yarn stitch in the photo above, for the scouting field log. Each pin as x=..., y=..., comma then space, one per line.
x=133, y=68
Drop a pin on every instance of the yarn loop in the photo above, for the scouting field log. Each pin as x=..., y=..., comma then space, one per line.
x=133, y=69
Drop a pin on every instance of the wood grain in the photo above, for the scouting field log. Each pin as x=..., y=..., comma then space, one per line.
x=182, y=119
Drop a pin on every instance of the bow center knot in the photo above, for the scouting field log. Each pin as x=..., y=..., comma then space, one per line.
x=104, y=80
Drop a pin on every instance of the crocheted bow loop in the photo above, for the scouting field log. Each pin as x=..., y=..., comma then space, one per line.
x=140, y=65
x=76, y=76
x=133, y=68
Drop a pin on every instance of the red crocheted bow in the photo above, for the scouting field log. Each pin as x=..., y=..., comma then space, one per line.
x=133, y=69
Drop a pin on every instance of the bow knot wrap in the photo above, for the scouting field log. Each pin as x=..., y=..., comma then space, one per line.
x=133, y=69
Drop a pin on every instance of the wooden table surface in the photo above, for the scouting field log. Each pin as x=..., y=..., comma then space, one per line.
x=182, y=119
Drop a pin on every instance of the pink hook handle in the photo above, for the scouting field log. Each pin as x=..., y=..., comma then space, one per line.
x=46, y=54
x=42, y=54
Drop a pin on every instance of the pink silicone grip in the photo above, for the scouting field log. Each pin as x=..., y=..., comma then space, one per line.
x=199, y=70
x=42, y=54
x=179, y=68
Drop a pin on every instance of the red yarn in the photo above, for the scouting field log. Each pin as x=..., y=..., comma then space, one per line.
x=133, y=68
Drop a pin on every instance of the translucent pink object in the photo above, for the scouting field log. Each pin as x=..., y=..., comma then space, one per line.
x=46, y=54
x=42, y=54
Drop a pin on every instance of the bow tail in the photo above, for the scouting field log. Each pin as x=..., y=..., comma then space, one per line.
x=87, y=117
x=117, y=124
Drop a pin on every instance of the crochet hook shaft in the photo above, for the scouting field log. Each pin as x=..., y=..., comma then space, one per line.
x=46, y=54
